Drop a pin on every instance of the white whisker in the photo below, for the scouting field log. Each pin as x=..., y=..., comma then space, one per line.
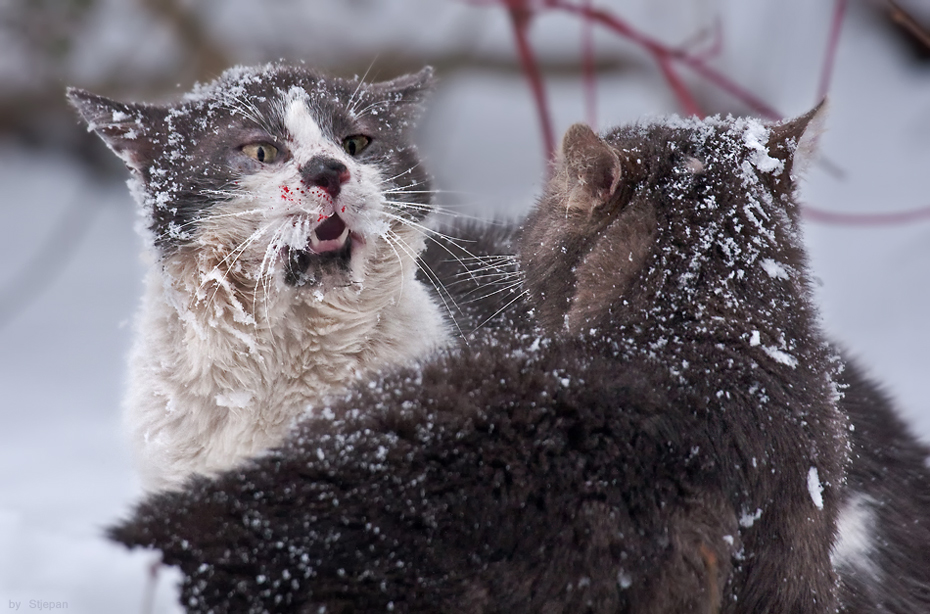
x=434, y=280
x=401, y=174
x=390, y=238
x=235, y=254
x=376, y=104
x=503, y=309
x=511, y=286
x=352, y=102
x=443, y=211
x=264, y=275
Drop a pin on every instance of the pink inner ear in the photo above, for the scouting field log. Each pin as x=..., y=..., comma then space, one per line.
x=605, y=175
x=601, y=172
x=593, y=162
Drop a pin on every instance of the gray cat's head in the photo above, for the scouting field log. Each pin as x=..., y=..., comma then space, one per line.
x=283, y=172
x=691, y=220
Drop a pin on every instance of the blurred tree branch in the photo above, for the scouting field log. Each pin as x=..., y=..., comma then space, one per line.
x=909, y=24
x=208, y=57
x=47, y=31
x=39, y=115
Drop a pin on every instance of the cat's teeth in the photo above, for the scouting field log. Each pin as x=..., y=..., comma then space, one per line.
x=319, y=247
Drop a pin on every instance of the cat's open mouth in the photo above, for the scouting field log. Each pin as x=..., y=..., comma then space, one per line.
x=328, y=249
x=332, y=235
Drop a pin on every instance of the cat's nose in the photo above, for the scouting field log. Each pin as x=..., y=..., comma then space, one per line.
x=327, y=173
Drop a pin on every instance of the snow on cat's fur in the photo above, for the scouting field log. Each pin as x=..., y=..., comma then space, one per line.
x=281, y=211
x=649, y=450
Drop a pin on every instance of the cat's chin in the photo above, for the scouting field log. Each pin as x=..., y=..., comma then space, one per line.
x=305, y=267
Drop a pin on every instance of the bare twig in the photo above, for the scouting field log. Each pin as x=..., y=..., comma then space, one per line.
x=662, y=53
x=209, y=58
x=678, y=86
x=865, y=219
x=587, y=69
x=714, y=34
x=905, y=20
x=520, y=18
x=829, y=60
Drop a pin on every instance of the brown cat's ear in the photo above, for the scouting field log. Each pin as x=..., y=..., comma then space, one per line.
x=592, y=169
x=406, y=93
x=124, y=127
x=795, y=140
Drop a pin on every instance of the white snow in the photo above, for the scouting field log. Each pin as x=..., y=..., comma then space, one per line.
x=815, y=488
x=780, y=356
x=774, y=353
x=237, y=400
x=755, y=136
x=747, y=519
x=854, y=529
x=775, y=270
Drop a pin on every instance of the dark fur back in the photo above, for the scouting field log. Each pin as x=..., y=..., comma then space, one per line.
x=887, y=476
x=500, y=479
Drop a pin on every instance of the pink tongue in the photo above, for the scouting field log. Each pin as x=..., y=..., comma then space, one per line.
x=330, y=229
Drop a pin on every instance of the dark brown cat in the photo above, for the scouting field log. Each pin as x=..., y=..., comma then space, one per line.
x=670, y=443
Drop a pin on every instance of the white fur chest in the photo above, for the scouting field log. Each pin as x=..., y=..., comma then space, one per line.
x=210, y=384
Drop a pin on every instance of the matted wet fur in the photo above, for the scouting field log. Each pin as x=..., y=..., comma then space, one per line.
x=670, y=443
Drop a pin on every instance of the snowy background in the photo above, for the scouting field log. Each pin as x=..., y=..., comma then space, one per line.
x=69, y=267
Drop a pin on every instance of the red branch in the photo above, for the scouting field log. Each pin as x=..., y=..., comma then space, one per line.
x=685, y=98
x=662, y=53
x=865, y=219
x=520, y=18
x=587, y=69
x=715, y=35
x=829, y=60
x=521, y=12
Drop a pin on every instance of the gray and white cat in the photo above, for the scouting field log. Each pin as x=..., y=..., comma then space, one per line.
x=281, y=211
x=668, y=442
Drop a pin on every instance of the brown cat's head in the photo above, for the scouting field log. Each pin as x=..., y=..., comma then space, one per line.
x=686, y=220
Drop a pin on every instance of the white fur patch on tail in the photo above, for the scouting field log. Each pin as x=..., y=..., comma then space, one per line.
x=855, y=537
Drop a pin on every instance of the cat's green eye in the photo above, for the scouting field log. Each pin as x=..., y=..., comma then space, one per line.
x=262, y=152
x=355, y=144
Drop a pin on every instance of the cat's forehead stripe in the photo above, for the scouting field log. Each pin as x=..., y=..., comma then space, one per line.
x=300, y=123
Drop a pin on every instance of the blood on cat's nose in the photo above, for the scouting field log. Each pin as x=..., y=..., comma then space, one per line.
x=326, y=173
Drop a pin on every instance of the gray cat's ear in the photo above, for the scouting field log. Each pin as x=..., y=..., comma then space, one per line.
x=411, y=87
x=590, y=168
x=795, y=140
x=124, y=127
x=406, y=93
